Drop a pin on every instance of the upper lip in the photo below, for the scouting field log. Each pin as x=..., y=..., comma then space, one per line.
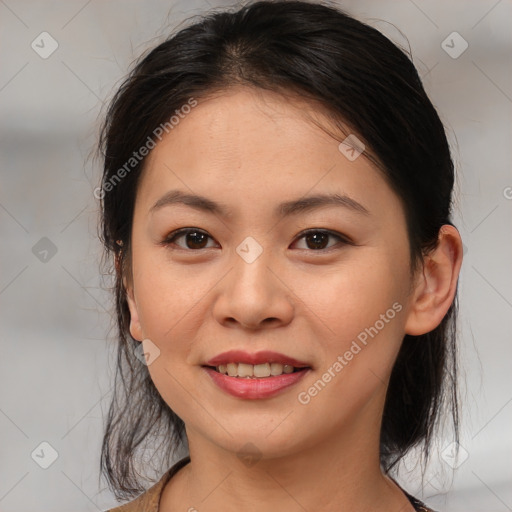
x=264, y=356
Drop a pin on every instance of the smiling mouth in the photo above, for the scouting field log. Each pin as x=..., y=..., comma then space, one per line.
x=256, y=371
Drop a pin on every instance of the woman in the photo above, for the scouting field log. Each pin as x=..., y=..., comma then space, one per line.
x=277, y=197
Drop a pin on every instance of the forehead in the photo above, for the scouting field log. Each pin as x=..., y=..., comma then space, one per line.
x=251, y=123
x=263, y=143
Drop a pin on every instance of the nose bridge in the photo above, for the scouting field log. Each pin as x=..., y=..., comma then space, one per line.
x=251, y=293
x=251, y=261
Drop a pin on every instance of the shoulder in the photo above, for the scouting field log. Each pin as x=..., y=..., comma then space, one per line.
x=417, y=504
x=149, y=500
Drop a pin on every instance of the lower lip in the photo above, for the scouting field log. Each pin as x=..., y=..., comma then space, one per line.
x=262, y=387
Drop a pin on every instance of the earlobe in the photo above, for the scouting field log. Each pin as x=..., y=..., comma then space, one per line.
x=436, y=284
x=135, y=327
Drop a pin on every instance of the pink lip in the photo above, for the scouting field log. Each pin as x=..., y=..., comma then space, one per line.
x=265, y=356
x=264, y=387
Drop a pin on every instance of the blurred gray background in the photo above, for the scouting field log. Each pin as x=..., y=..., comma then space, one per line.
x=56, y=361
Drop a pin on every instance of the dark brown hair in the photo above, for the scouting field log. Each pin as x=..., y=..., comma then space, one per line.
x=365, y=82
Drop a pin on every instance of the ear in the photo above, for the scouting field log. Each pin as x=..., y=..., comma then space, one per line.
x=135, y=327
x=436, y=284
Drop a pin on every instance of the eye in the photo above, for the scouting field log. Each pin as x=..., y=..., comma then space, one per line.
x=194, y=238
x=317, y=240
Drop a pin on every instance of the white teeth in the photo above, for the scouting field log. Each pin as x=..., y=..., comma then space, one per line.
x=254, y=371
x=245, y=370
x=262, y=370
x=276, y=368
x=232, y=369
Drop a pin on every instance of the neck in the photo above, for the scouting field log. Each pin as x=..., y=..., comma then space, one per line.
x=341, y=473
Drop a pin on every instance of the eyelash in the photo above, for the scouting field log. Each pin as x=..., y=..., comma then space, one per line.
x=343, y=240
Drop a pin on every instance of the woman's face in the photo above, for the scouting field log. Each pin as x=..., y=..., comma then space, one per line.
x=246, y=278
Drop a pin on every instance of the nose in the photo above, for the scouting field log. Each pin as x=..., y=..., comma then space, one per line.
x=254, y=295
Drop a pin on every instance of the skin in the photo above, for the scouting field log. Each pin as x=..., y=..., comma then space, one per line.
x=251, y=150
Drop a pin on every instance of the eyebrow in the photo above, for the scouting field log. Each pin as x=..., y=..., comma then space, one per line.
x=285, y=209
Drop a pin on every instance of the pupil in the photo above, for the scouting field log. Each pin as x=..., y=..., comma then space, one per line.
x=317, y=243
x=194, y=237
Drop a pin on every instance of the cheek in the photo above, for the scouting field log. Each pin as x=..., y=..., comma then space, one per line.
x=168, y=296
x=353, y=296
x=364, y=309
x=169, y=306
